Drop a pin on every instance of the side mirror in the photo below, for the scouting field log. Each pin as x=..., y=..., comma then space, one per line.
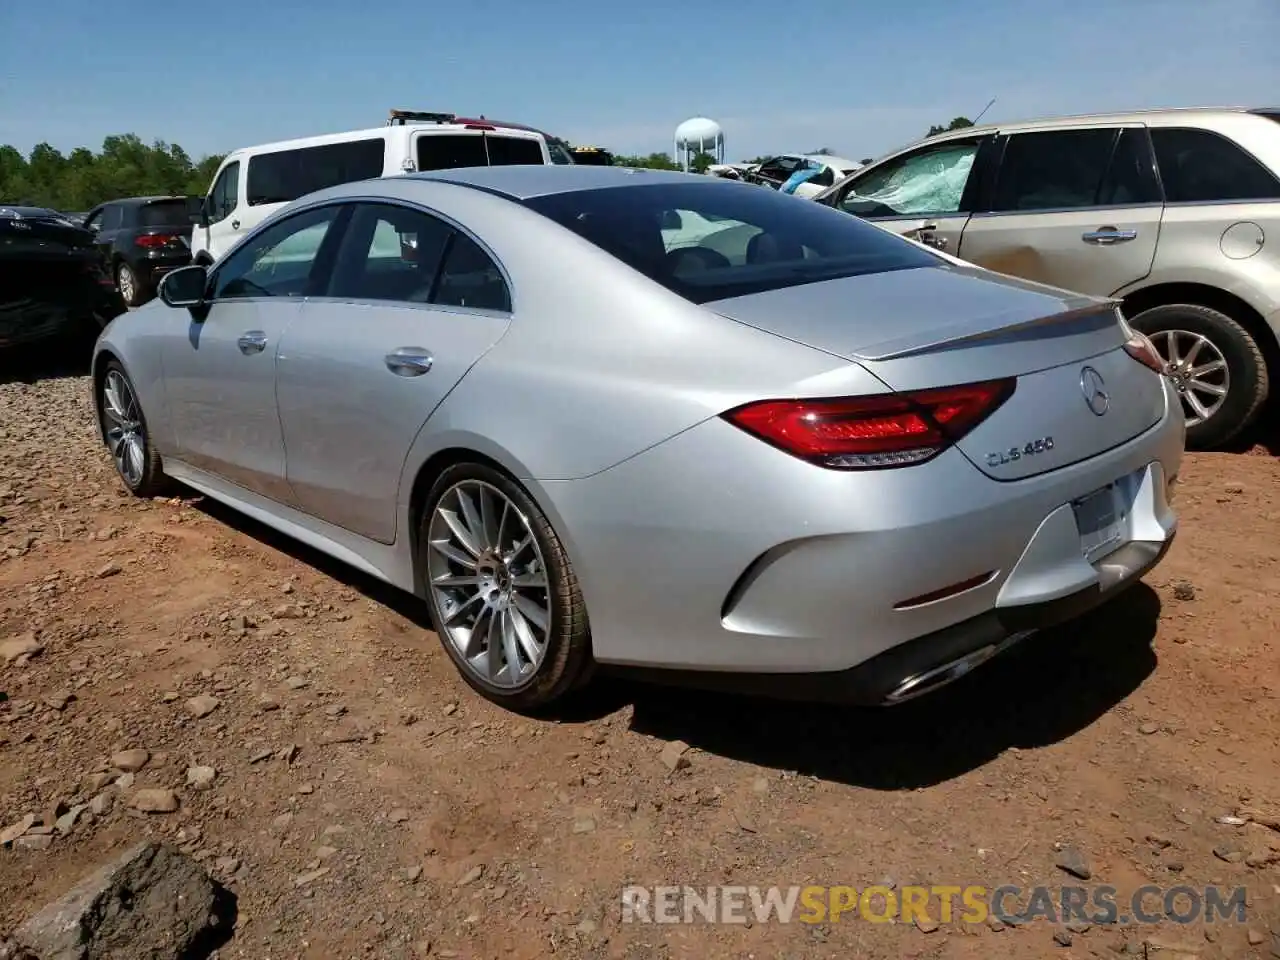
x=197, y=211
x=184, y=287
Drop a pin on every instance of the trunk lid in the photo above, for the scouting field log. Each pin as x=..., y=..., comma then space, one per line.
x=934, y=327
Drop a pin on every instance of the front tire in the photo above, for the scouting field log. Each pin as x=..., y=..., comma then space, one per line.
x=124, y=429
x=501, y=589
x=1220, y=373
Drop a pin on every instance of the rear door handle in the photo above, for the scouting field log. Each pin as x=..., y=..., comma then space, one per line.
x=1105, y=236
x=409, y=361
x=235, y=224
x=252, y=342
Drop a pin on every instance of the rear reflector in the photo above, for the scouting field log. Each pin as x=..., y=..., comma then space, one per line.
x=860, y=433
x=153, y=239
x=1144, y=351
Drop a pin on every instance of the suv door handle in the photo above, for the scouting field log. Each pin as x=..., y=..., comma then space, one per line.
x=409, y=361
x=252, y=342
x=1105, y=236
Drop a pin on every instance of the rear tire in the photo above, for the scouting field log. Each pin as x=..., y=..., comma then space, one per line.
x=124, y=429
x=1245, y=377
x=496, y=575
x=129, y=285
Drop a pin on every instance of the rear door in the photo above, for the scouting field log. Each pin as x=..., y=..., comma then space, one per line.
x=412, y=305
x=926, y=193
x=1078, y=208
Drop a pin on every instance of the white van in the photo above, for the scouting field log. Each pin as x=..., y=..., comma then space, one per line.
x=254, y=182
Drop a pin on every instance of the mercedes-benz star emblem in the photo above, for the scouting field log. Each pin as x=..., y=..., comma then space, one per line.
x=1094, y=389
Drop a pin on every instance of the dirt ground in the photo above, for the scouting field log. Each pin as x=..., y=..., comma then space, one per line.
x=364, y=803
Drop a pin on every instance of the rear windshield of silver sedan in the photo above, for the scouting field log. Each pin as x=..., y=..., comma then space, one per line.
x=720, y=239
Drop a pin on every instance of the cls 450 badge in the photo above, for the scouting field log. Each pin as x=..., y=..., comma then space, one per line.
x=1030, y=449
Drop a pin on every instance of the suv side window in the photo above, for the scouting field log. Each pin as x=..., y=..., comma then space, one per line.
x=1131, y=178
x=1199, y=166
x=929, y=181
x=390, y=253
x=226, y=191
x=279, y=261
x=470, y=278
x=111, y=217
x=1053, y=170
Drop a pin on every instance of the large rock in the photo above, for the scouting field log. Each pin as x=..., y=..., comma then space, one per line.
x=153, y=903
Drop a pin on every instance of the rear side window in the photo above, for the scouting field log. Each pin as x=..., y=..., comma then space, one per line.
x=1131, y=178
x=288, y=174
x=112, y=217
x=1198, y=166
x=448, y=151
x=390, y=253
x=1053, y=170
x=512, y=151
x=470, y=278
x=720, y=239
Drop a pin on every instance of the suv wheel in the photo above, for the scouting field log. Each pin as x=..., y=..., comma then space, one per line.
x=127, y=284
x=1216, y=366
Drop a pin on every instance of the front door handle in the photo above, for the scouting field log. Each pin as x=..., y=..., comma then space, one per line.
x=409, y=361
x=1105, y=236
x=235, y=224
x=929, y=237
x=252, y=342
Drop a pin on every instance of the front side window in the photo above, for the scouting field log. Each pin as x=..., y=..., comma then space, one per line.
x=1198, y=166
x=718, y=239
x=225, y=193
x=931, y=181
x=279, y=261
x=560, y=153
x=390, y=253
x=1053, y=170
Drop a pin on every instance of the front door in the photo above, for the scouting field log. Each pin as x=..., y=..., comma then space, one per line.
x=1078, y=209
x=221, y=378
x=924, y=194
x=413, y=304
x=222, y=225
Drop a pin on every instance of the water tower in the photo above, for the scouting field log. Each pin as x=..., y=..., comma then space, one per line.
x=698, y=135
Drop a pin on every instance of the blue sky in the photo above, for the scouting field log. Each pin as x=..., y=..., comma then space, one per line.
x=858, y=77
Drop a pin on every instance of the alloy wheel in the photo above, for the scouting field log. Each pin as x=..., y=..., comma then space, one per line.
x=1198, y=371
x=488, y=582
x=126, y=435
x=126, y=283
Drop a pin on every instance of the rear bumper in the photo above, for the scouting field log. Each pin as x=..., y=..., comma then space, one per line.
x=926, y=663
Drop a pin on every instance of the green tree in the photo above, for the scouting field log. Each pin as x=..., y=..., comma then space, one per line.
x=653, y=161
x=959, y=123
x=124, y=167
x=700, y=163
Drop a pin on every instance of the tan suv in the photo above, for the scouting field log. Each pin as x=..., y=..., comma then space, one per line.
x=1168, y=211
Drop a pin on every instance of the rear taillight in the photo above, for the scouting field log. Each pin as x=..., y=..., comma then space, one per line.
x=859, y=433
x=152, y=240
x=479, y=126
x=1144, y=351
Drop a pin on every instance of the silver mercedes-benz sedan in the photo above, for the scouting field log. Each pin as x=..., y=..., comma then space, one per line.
x=595, y=415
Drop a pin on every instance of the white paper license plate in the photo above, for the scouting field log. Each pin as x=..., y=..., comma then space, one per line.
x=1101, y=520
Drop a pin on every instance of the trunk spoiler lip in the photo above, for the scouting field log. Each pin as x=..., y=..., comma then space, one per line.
x=984, y=328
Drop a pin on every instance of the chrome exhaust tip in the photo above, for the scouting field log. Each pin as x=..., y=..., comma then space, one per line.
x=918, y=684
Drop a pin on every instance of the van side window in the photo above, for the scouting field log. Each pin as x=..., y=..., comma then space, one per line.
x=1053, y=170
x=447, y=151
x=511, y=151
x=286, y=175
x=1199, y=166
x=226, y=190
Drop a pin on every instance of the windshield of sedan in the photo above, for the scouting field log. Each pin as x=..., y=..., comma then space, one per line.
x=720, y=239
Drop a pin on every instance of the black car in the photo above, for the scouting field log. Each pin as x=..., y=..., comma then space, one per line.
x=143, y=238
x=53, y=278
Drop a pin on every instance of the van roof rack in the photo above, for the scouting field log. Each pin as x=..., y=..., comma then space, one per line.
x=401, y=117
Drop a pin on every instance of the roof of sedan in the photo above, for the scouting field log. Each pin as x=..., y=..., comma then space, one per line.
x=520, y=182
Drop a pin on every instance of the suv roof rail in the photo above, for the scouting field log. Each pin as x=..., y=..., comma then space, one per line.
x=401, y=117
